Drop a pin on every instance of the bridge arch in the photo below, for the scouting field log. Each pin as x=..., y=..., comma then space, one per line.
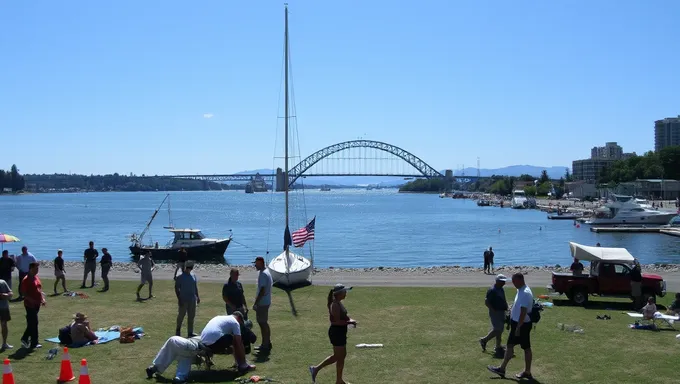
x=425, y=169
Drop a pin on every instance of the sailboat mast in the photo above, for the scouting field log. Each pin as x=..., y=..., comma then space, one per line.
x=286, y=116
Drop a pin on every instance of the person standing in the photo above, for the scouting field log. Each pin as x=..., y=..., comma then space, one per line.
x=146, y=267
x=636, y=285
x=5, y=317
x=233, y=295
x=520, y=329
x=186, y=290
x=90, y=256
x=262, y=303
x=23, y=263
x=7, y=266
x=496, y=303
x=337, y=332
x=182, y=258
x=491, y=255
x=486, y=261
x=33, y=300
x=59, y=272
x=106, y=262
x=576, y=267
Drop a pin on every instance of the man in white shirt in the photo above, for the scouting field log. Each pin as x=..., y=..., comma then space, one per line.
x=179, y=349
x=24, y=262
x=520, y=328
x=224, y=331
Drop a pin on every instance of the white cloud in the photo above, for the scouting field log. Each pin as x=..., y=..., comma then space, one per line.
x=208, y=115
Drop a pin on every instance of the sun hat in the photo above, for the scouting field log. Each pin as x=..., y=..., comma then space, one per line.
x=341, y=288
x=501, y=277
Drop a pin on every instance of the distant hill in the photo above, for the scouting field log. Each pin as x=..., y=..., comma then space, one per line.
x=513, y=170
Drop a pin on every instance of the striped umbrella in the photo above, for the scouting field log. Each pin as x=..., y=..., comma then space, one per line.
x=5, y=238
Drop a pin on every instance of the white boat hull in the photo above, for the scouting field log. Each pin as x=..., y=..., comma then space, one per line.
x=660, y=219
x=298, y=272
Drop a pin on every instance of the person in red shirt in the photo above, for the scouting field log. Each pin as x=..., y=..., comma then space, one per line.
x=33, y=300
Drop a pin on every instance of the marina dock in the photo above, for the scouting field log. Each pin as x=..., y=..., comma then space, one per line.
x=626, y=229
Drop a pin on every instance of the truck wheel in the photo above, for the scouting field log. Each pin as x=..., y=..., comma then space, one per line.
x=579, y=296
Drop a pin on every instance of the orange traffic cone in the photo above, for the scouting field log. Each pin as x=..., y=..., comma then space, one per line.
x=84, y=375
x=7, y=375
x=66, y=373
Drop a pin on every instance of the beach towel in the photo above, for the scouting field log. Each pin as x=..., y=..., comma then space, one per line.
x=104, y=337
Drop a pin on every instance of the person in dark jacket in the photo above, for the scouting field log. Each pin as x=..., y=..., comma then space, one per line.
x=106, y=262
x=233, y=295
x=636, y=285
x=498, y=306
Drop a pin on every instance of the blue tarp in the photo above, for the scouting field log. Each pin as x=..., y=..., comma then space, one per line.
x=104, y=337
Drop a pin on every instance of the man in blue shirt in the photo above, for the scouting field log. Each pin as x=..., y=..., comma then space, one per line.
x=498, y=306
x=262, y=303
x=186, y=290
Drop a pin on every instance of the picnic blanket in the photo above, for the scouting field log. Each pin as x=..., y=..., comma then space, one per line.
x=104, y=337
x=657, y=315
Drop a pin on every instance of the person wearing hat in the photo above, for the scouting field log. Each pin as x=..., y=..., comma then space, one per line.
x=262, y=303
x=337, y=332
x=182, y=350
x=59, y=272
x=497, y=304
x=224, y=331
x=186, y=290
x=81, y=333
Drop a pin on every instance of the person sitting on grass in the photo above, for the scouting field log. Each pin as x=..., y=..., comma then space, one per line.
x=649, y=310
x=81, y=334
x=674, y=308
x=180, y=349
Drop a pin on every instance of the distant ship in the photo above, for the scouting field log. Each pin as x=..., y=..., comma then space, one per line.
x=256, y=184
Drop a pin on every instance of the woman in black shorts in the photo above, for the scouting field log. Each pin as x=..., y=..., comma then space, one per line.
x=337, y=333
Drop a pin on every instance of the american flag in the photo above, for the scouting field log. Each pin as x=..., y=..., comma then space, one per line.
x=302, y=235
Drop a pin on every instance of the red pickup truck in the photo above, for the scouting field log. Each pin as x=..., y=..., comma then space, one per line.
x=609, y=276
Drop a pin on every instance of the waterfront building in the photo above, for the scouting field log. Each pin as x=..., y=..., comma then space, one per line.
x=666, y=133
x=581, y=189
x=589, y=170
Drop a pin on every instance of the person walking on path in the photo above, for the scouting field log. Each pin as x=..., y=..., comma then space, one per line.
x=186, y=290
x=233, y=295
x=7, y=266
x=33, y=300
x=24, y=262
x=337, y=333
x=262, y=303
x=106, y=262
x=496, y=303
x=182, y=258
x=5, y=317
x=90, y=256
x=59, y=272
x=520, y=329
x=146, y=267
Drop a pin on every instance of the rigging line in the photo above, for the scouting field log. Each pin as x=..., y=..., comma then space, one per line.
x=276, y=142
x=245, y=246
x=297, y=132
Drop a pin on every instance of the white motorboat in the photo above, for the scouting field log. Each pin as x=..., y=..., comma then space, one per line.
x=519, y=200
x=288, y=268
x=627, y=210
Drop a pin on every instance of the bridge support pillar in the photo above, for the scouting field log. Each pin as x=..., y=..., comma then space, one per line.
x=448, y=177
x=280, y=180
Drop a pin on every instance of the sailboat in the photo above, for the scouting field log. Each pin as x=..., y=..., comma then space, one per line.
x=288, y=268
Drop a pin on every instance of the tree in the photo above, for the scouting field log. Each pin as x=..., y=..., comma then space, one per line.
x=544, y=177
x=543, y=188
x=525, y=177
x=669, y=158
x=567, y=176
x=530, y=190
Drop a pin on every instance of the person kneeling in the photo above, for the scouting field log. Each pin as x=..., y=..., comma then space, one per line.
x=181, y=349
x=223, y=332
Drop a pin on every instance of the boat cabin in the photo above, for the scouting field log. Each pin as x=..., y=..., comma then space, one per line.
x=187, y=234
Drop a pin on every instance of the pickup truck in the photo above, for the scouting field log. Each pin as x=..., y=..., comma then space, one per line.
x=609, y=276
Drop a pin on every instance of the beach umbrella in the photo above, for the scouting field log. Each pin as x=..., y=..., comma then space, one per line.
x=5, y=238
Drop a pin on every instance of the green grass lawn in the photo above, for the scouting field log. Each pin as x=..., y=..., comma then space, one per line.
x=430, y=336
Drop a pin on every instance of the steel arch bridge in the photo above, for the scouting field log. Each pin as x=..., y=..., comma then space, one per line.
x=425, y=169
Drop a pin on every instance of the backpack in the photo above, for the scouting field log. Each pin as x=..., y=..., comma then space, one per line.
x=65, y=335
x=535, y=314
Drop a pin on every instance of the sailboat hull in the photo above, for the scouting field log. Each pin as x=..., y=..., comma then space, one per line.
x=298, y=273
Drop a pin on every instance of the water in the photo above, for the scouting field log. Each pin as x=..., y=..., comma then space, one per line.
x=354, y=228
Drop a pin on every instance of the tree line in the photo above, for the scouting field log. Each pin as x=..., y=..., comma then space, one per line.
x=664, y=164
x=118, y=182
x=496, y=184
x=11, y=180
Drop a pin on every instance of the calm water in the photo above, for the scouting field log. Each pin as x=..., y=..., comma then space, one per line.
x=355, y=228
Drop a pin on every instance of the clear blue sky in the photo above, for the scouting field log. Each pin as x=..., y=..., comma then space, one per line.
x=123, y=86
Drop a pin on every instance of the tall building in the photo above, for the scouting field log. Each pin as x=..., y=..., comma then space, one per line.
x=589, y=170
x=666, y=133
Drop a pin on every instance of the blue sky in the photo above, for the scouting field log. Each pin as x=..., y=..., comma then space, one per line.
x=127, y=86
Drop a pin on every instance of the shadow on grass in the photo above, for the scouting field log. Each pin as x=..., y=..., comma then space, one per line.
x=597, y=305
x=516, y=380
x=289, y=291
x=213, y=376
x=21, y=354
